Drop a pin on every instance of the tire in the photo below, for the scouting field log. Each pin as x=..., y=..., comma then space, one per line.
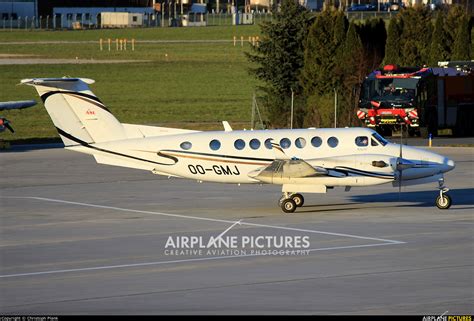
x=288, y=206
x=443, y=203
x=298, y=199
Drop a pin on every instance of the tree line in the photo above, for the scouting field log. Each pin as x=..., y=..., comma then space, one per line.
x=314, y=57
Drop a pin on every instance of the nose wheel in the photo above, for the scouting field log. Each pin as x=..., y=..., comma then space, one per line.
x=290, y=201
x=443, y=201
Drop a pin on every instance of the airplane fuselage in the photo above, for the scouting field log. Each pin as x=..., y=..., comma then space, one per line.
x=229, y=157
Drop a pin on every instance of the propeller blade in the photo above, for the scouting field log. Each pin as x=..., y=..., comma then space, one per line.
x=400, y=185
x=400, y=165
x=7, y=125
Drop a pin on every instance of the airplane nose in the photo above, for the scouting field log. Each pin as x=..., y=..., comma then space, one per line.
x=450, y=163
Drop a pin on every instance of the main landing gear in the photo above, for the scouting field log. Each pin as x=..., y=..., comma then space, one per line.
x=443, y=201
x=290, y=201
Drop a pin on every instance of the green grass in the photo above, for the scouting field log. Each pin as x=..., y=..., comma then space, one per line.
x=189, y=33
x=182, y=85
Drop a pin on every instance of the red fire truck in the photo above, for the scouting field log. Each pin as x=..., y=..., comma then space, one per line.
x=429, y=100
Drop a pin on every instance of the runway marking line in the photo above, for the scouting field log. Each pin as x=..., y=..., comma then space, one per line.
x=384, y=241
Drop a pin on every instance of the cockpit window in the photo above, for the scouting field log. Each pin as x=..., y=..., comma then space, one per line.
x=380, y=139
x=362, y=141
x=373, y=142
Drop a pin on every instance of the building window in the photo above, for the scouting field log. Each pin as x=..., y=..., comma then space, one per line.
x=215, y=144
x=239, y=144
x=316, y=141
x=285, y=143
x=186, y=145
x=333, y=141
x=300, y=142
x=254, y=144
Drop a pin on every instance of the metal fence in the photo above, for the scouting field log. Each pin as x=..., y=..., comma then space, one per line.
x=86, y=21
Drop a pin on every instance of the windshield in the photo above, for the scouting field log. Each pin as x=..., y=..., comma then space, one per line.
x=380, y=139
x=389, y=90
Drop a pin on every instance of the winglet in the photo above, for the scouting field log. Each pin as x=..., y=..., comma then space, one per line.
x=227, y=126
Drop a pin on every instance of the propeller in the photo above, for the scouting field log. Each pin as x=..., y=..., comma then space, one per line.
x=6, y=124
x=400, y=163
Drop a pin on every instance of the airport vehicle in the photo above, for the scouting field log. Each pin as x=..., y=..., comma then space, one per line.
x=425, y=100
x=301, y=160
x=8, y=105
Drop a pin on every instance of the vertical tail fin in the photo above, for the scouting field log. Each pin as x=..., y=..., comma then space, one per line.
x=79, y=116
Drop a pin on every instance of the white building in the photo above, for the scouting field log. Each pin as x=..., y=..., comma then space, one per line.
x=66, y=16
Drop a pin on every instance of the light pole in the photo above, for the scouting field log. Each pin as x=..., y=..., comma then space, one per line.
x=291, y=117
x=335, y=108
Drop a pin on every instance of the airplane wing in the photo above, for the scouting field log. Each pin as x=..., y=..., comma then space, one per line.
x=7, y=105
x=286, y=167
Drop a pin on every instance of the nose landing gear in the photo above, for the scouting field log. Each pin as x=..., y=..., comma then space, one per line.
x=443, y=201
x=290, y=201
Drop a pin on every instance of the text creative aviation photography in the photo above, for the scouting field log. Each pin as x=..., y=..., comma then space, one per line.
x=300, y=160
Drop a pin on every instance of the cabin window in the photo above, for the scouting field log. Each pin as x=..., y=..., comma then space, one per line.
x=239, y=144
x=186, y=145
x=333, y=141
x=254, y=144
x=215, y=144
x=285, y=143
x=316, y=141
x=362, y=141
x=300, y=142
x=268, y=143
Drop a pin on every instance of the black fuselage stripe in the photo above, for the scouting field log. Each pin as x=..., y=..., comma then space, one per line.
x=220, y=155
x=346, y=170
x=83, y=143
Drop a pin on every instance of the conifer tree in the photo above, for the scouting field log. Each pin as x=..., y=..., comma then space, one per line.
x=438, y=49
x=354, y=68
x=461, y=46
x=416, y=36
x=393, y=46
x=279, y=58
x=453, y=18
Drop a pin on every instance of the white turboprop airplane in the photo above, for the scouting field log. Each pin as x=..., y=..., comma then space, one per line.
x=301, y=160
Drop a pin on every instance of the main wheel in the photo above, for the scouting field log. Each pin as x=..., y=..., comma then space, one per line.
x=288, y=206
x=443, y=202
x=298, y=199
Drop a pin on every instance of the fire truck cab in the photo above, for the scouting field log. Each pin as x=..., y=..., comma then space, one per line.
x=425, y=100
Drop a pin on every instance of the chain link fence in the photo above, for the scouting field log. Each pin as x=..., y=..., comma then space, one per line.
x=156, y=20
x=88, y=21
